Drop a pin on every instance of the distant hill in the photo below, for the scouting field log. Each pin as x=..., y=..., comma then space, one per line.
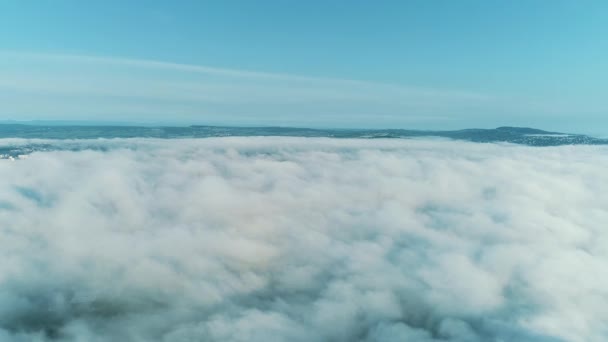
x=515, y=135
x=523, y=130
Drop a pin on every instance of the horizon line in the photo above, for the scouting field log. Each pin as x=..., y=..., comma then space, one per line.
x=89, y=123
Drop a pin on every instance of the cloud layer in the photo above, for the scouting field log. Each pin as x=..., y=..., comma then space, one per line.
x=287, y=239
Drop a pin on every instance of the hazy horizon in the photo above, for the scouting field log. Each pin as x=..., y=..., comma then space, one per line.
x=407, y=64
x=68, y=123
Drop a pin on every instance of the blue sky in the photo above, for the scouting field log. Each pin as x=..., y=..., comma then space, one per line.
x=417, y=64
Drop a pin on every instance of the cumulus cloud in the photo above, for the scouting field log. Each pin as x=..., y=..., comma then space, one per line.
x=289, y=239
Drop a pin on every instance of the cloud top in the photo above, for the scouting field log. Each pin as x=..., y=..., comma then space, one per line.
x=293, y=239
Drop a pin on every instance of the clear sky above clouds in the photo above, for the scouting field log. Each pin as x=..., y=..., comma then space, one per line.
x=413, y=64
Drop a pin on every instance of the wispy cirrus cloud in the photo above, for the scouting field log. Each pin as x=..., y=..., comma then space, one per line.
x=45, y=86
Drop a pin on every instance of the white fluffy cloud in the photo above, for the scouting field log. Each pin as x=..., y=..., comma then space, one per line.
x=289, y=239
